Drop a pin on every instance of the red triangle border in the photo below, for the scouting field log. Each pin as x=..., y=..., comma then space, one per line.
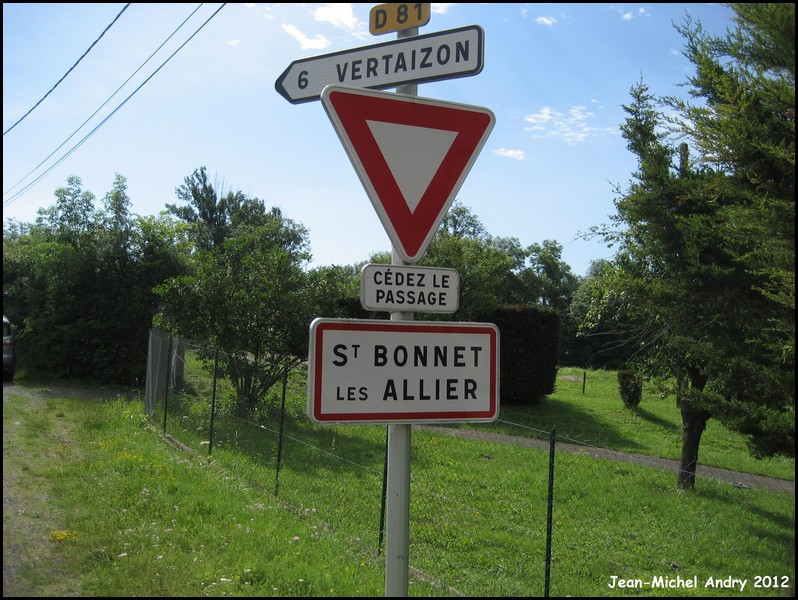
x=350, y=109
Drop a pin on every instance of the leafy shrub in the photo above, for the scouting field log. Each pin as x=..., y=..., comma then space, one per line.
x=528, y=336
x=631, y=388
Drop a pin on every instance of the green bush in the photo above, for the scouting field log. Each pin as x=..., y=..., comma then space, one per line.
x=631, y=388
x=528, y=337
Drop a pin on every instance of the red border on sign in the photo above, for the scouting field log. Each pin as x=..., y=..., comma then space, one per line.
x=354, y=108
x=409, y=327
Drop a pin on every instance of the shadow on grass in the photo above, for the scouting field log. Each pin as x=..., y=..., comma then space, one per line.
x=569, y=420
x=330, y=449
x=778, y=527
x=665, y=425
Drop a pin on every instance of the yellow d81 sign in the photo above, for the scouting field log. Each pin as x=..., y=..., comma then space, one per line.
x=385, y=18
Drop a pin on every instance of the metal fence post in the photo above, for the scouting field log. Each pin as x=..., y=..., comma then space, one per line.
x=168, y=380
x=213, y=397
x=280, y=436
x=549, y=514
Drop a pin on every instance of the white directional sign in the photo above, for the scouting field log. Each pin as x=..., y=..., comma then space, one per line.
x=399, y=288
x=363, y=371
x=431, y=57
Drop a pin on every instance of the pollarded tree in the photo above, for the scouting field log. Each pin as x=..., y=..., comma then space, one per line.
x=206, y=213
x=213, y=215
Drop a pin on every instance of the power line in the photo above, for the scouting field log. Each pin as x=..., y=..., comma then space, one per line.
x=88, y=135
x=70, y=69
x=5, y=193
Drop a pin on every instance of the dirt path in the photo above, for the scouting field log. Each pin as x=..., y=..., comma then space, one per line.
x=29, y=517
x=26, y=518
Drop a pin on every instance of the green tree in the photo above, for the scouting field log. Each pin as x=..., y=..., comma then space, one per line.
x=747, y=131
x=482, y=269
x=250, y=297
x=463, y=244
x=548, y=280
x=539, y=276
x=609, y=340
x=336, y=290
x=460, y=222
x=212, y=214
x=494, y=270
x=73, y=216
x=79, y=282
x=706, y=262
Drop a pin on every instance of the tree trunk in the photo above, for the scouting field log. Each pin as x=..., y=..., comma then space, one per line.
x=694, y=421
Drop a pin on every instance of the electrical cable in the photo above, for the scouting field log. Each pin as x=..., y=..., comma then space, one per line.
x=88, y=135
x=8, y=191
x=70, y=69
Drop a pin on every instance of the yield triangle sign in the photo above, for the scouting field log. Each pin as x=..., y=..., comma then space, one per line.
x=411, y=154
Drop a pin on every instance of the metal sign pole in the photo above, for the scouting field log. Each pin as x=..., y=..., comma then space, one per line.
x=397, y=530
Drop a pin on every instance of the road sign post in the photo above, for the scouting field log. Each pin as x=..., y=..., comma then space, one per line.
x=397, y=456
x=412, y=156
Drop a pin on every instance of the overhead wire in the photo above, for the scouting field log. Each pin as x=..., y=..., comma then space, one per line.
x=6, y=192
x=70, y=69
x=88, y=135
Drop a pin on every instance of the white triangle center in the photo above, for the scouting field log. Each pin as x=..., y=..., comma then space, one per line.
x=413, y=154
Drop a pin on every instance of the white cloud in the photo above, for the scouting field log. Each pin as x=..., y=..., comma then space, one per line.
x=441, y=8
x=545, y=115
x=628, y=16
x=256, y=9
x=318, y=42
x=510, y=153
x=572, y=126
x=337, y=15
x=547, y=21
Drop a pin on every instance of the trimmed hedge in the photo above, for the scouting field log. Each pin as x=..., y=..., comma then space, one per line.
x=528, y=338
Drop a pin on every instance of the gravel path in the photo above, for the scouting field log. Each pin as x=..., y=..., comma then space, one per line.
x=733, y=477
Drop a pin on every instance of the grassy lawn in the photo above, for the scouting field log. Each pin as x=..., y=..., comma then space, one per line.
x=598, y=417
x=135, y=516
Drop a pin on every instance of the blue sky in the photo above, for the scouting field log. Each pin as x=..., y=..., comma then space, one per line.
x=555, y=76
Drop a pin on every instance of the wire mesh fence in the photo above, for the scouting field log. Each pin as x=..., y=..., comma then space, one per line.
x=512, y=513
